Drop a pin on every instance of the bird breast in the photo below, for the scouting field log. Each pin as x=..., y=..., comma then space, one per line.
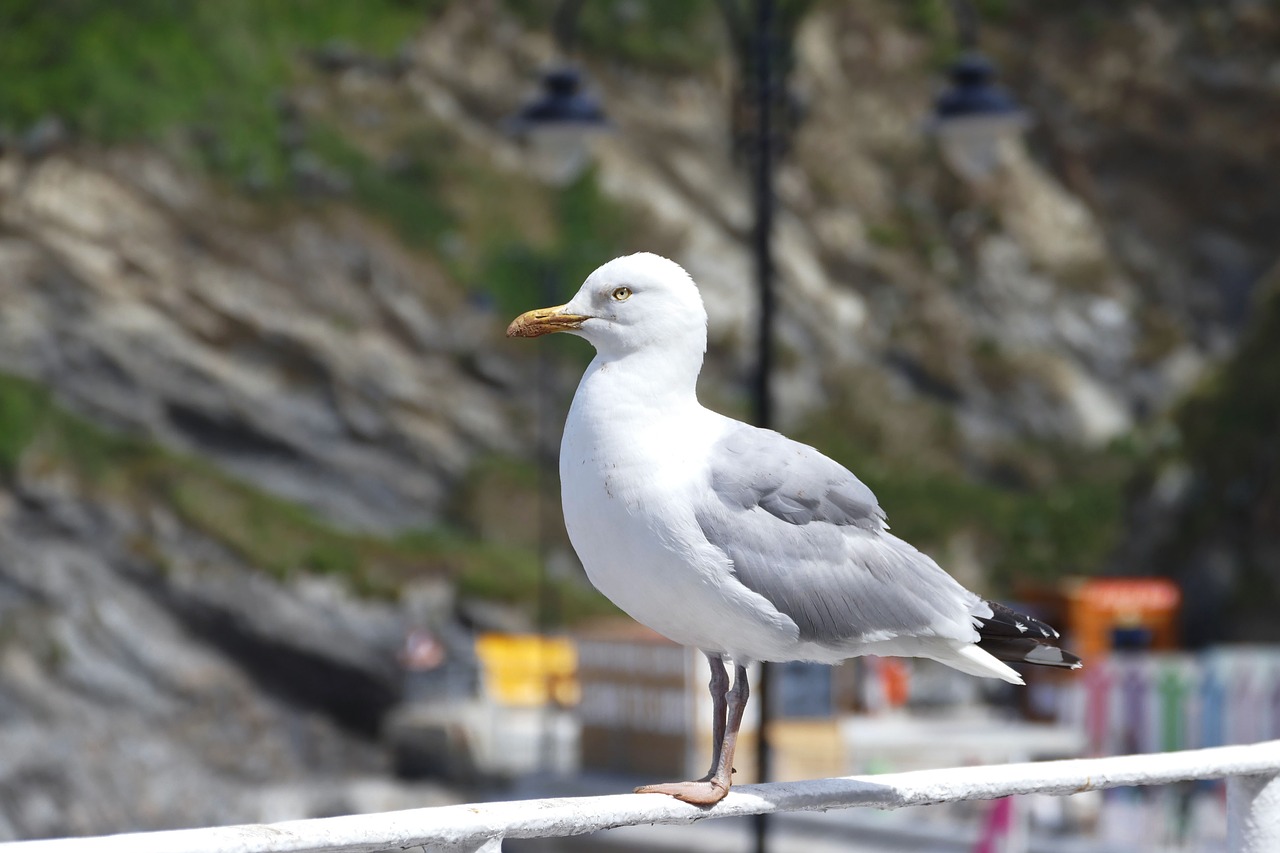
x=629, y=497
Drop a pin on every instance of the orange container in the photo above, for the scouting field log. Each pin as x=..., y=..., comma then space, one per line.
x=1105, y=614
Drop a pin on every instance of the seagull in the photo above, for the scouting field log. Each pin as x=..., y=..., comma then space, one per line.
x=732, y=539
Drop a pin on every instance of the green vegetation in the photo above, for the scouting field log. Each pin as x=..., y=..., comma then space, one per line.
x=521, y=275
x=408, y=196
x=886, y=235
x=1229, y=437
x=212, y=80
x=272, y=534
x=1232, y=422
x=121, y=72
x=931, y=17
x=211, y=83
x=672, y=37
x=667, y=37
x=22, y=413
x=936, y=18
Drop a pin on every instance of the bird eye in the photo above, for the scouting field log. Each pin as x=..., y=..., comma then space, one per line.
x=621, y=294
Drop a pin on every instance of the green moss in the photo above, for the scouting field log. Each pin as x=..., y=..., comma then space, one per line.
x=501, y=500
x=930, y=17
x=994, y=11
x=504, y=573
x=886, y=235
x=410, y=197
x=22, y=409
x=30, y=419
x=518, y=275
x=668, y=37
x=124, y=72
x=275, y=535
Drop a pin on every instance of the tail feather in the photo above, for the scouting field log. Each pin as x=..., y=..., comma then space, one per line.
x=1012, y=636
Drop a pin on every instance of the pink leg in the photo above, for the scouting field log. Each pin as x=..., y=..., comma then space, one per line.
x=712, y=789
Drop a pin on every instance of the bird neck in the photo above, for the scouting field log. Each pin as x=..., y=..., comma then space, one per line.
x=653, y=379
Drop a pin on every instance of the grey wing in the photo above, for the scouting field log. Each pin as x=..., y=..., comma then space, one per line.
x=806, y=534
x=753, y=467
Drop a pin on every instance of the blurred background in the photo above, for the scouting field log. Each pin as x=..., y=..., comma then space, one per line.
x=279, y=522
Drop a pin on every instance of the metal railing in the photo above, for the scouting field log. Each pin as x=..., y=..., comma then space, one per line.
x=1253, y=803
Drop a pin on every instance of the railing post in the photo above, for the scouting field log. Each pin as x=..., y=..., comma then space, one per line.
x=1253, y=814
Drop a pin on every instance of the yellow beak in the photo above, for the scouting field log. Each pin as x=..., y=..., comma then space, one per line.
x=544, y=321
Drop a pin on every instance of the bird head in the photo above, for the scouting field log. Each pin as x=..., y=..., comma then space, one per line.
x=631, y=303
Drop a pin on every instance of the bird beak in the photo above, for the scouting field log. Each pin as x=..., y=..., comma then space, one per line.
x=544, y=321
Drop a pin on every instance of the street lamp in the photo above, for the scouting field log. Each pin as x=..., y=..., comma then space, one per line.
x=557, y=125
x=975, y=119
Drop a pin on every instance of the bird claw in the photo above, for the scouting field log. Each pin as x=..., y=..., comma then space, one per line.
x=700, y=793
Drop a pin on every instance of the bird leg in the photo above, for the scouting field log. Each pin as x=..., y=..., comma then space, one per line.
x=719, y=687
x=709, y=791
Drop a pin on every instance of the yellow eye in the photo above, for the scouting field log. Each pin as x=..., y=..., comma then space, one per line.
x=621, y=294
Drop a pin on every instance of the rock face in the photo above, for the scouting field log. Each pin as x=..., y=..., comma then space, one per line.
x=1033, y=307
x=310, y=355
x=149, y=677
x=136, y=698
x=305, y=349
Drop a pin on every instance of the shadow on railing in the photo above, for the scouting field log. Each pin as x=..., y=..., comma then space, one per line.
x=1253, y=793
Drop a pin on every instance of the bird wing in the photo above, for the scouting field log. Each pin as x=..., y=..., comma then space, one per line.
x=809, y=536
x=752, y=467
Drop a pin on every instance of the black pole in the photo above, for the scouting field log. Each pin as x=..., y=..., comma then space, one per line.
x=564, y=26
x=763, y=192
x=966, y=18
x=763, y=186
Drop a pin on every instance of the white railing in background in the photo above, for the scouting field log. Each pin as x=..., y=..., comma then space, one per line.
x=1253, y=796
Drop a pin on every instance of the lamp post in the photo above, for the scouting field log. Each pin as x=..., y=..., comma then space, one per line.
x=556, y=126
x=974, y=119
x=762, y=85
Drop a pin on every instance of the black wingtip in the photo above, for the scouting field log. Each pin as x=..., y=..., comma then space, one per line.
x=1018, y=638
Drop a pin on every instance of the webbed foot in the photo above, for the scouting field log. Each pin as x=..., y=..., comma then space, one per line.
x=700, y=793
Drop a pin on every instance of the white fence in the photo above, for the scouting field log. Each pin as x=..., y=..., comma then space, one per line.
x=1253, y=794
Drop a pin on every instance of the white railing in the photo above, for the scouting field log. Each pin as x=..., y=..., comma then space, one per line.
x=1253, y=795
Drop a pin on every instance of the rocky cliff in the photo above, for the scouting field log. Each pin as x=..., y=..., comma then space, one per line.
x=307, y=352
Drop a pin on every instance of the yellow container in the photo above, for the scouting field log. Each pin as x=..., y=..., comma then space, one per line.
x=528, y=670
